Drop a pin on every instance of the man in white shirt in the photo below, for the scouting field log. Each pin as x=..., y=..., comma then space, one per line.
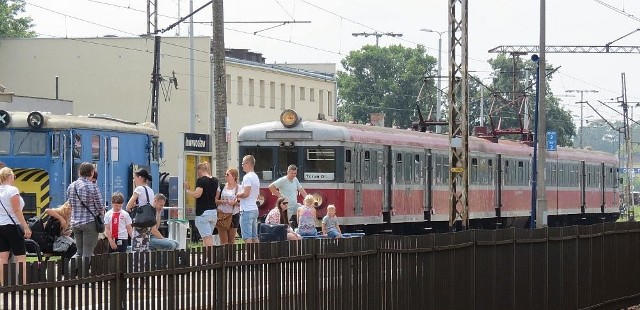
x=248, y=197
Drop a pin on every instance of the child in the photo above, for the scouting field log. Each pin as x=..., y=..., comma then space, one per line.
x=307, y=217
x=330, y=225
x=117, y=225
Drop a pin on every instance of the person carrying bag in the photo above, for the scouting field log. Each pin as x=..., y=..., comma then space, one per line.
x=87, y=209
x=144, y=216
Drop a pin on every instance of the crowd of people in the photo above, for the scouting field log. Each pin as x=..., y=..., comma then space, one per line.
x=225, y=207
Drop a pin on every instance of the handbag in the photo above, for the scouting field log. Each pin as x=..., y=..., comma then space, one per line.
x=97, y=220
x=143, y=216
x=62, y=243
x=224, y=219
x=18, y=227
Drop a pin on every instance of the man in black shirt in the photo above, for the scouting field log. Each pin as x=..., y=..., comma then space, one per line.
x=205, y=194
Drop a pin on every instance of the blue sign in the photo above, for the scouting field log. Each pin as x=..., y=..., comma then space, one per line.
x=552, y=140
x=625, y=170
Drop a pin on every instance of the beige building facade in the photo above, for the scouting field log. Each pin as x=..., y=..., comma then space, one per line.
x=112, y=76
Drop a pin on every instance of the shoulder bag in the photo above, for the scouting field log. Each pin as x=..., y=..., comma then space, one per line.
x=18, y=227
x=224, y=219
x=143, y=216
x=97, y=219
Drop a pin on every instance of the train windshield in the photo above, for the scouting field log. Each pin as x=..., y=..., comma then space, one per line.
x=5, y=142
x=29, y=143
x=319, y=164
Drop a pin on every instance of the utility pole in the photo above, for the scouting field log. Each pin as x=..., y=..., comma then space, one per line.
x=220, y=124
x=439, y=90
x=541, y=192
x=581, y=102
x=628, y=199
x=377, y=35
x=458, y=95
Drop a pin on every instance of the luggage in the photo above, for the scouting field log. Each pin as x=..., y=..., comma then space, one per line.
x=272, y=232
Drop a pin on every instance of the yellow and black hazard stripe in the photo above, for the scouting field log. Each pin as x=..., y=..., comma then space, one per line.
x=34, y=189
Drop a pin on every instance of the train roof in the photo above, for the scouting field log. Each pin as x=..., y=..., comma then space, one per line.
x=95, y=122
x=322, y=130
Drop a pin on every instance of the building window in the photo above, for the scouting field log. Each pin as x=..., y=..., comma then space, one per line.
x=321, y=103
x=293, y=97
x=262, y=93
x=251, y=92
x=273, y=94
x=228, y=87
x=283, y=95
x=330, y=103
x=240, y=92
x=312, y=94
x=302, y=93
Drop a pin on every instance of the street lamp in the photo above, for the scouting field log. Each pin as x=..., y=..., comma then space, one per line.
x=482, y=100
x=439, y=103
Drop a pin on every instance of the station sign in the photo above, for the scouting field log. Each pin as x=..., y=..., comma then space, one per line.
x=552, y=140
x=625, y=170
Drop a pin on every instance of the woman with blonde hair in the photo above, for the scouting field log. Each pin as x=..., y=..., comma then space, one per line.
x=58, y=225
x=228, y=206
x=13, y=226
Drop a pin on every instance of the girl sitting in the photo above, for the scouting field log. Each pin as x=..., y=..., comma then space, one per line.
x=278, y=215
x=307, y=217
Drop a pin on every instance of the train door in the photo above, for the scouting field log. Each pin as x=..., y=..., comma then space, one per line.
x=358, y=161
x=99, y=149
x=387, y=155
x=427, y=175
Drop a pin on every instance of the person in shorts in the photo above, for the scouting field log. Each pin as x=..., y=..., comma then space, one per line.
x=205, y=194
x=248, y=197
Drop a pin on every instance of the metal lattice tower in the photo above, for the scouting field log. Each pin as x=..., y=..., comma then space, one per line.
x=458, y=95
x=152, y=16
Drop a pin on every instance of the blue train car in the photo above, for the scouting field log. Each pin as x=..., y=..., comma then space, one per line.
x=45, y=151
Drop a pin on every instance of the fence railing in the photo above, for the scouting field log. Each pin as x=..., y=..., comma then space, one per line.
x=583, y=267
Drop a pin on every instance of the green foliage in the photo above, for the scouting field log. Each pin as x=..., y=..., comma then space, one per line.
x=12, y=26
x=384, y=80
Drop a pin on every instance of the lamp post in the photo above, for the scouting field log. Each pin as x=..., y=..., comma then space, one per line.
x=534, y=168
x=482, y=101
x=439, y=103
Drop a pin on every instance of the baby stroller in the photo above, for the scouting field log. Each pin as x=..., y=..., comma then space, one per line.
x=45, y=230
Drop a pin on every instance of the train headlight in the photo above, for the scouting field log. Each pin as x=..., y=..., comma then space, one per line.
x=35, y=120
x=289, y=118
x=319, y=200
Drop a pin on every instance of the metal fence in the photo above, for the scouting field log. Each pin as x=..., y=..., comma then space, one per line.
x=585, y=267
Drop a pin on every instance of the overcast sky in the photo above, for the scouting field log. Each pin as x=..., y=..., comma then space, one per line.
x=328, y=36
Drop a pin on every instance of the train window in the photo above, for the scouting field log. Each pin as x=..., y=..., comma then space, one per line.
x=366, y=166
x=320, y=164
x=473, y=178
x=445, y=169
x=520, y=173
x=77, y=145
x=347, y=156
x=490, y=171
x=115, y=149
x=408, y=168
x=347, y=166
x=507, y=175
x=398, y=168
x=55, y=144
x=264, y=161
x=417, y=169
x=95, y=147
x=286, y=157
x=5, y=142
x=29, y=143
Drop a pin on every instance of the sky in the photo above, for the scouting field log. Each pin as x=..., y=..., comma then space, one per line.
x=327, y=37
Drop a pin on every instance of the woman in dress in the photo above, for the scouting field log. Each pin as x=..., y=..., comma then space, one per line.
x=142, y=195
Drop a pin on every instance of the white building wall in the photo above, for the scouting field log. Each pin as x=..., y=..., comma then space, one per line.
x=112, y=76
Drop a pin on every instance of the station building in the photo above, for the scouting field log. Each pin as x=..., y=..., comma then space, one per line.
x=111, y=76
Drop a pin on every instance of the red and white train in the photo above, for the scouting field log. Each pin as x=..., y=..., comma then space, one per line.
x=393, y=179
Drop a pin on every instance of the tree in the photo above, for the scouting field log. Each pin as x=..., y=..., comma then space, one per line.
x=384, y=80
x=12, y=26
